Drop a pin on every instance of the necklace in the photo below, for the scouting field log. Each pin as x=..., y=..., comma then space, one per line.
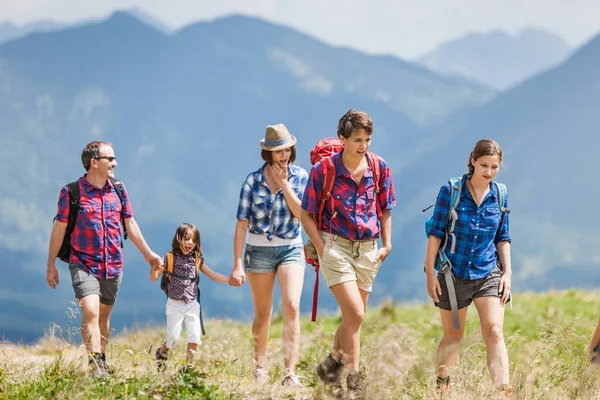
x=478, y=199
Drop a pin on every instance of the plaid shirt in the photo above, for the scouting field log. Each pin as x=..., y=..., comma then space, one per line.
x=355, y=208
x=477, y=231
x=97, y=233
x=268, y=213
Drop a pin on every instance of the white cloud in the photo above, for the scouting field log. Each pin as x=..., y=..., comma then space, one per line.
x=406, y=28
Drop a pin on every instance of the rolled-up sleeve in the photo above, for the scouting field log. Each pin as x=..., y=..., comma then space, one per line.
x=314, y=187
x=387, y=197
x=440, y=213
x=62, y=215
x=245, y=205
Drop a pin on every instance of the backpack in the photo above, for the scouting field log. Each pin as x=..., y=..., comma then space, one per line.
x=323, y=151
x=442, y=263
x=168, y=274
x=66, y=248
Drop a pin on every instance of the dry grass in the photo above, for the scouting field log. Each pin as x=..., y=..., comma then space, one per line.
x=546, y=335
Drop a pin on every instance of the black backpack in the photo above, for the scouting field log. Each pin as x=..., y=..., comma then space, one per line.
x=74, y=206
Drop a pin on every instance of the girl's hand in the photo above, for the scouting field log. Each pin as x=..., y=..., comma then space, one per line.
x=433, y=287
x=504, y=288
x=237, y=277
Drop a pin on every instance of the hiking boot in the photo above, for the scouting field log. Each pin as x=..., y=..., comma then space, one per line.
x=187, y=369
x=505, y=391
x=261, y=375
x=96, y=367
x=356, y=385
x=329, y=372
x=161, y=360
x=290, y=379
x=103, y=363
x=443, y=385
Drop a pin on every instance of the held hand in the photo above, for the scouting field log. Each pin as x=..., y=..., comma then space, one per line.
x=382, y=253
x=237, y=277
x=52, y=276
x=504, y=288
x=433, y=287
x=154, y=260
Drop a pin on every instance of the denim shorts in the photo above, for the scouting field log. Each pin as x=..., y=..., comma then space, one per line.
x=265, y=259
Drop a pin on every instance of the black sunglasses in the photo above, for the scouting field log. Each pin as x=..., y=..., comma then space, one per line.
x=109, y=158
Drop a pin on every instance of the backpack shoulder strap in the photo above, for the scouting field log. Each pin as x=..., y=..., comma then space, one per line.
x=119, y=189
x=375, y=166
x=455, y=191
x=169, y=269
x=329, y=175
x=74, y=202
x=502, y=194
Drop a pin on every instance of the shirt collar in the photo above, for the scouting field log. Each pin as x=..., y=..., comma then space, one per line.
x=340, y=169
x=88, y=186
x=260, y=175
x=465, y=189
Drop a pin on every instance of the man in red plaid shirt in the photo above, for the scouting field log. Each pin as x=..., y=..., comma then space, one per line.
x=96, y=259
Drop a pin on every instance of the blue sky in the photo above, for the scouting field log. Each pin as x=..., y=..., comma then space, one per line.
x=406, y=28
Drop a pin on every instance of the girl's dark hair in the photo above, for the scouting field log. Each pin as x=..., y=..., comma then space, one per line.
x=352, y=121
x=267, y=155
x=180, y=237
x=485, y=147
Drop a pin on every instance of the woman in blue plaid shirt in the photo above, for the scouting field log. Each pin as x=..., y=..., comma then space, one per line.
x=268, y=223
x=480, y=263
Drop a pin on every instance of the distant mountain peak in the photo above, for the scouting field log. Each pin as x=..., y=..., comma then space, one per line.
x=496, y=58
x=149, y=19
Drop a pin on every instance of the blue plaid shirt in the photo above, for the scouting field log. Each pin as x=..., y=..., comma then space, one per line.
x=268, y=213
x=477, y=231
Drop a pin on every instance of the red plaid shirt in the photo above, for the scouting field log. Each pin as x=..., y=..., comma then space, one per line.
x=356, y=213
x=97, y=233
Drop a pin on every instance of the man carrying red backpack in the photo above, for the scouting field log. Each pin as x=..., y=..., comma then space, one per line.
x=345, y=209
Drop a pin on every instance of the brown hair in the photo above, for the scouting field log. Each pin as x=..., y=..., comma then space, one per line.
x=90, y=151
x=352, y=121
x=180, y=237
x=485, y=147
x=267, y=155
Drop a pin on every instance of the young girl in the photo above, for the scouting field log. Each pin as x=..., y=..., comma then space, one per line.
x=480, y=263
x=183, y=289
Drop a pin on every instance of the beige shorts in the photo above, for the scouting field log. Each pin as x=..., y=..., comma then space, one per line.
x=345, y=260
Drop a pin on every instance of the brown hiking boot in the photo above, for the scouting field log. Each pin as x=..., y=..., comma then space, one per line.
x=357, y=386
x=329, y=372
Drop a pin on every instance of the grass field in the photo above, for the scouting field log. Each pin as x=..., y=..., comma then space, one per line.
x=546, y=334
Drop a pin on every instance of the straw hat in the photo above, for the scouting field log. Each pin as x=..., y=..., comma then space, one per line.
x=277, y=137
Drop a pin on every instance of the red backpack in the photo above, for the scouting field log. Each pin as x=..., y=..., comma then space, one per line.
x=323, y=151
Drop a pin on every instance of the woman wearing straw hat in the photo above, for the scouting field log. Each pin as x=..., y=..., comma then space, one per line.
x=269, y=224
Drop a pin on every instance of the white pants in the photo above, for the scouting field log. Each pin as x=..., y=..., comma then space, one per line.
x=177, y=313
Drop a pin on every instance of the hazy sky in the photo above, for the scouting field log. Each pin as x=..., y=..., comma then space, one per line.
x=407, y=28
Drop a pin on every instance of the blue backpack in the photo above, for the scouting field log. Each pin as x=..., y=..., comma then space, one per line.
x=455, y=192
x=442, y=263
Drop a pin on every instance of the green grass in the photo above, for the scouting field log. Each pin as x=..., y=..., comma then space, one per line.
x=546, y=335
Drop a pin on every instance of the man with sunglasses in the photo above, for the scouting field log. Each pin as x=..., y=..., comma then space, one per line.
x=96, y=259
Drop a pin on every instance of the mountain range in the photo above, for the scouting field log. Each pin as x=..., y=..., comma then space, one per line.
x=186, y=110
x=497, y=59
